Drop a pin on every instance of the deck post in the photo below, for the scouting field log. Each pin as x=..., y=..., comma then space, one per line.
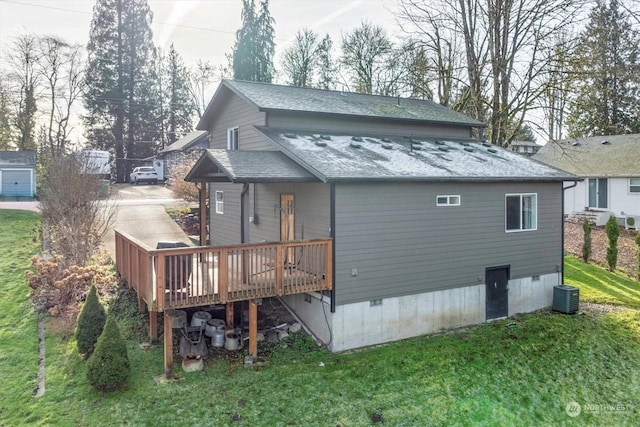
x=153, y=327
x=253, y=328
x=230, y=315
x=168, y=347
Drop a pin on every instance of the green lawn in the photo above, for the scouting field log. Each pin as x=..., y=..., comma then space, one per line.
x=599, y=285
x=489, y=375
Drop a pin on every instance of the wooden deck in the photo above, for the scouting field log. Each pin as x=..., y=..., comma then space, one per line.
x=179, y=278
x=206, y=275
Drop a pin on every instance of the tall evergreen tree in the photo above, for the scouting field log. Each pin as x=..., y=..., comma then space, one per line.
x=23, y=57
x=6, y=132
x=252, y=57
x=177, y=106
x=122, y=99
x=607, y=75
x=327, y=69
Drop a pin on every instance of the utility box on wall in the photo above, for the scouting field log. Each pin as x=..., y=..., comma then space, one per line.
x=566, y=299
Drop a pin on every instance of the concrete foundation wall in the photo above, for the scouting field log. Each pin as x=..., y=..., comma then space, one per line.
x=362, y=324
x=527, y=294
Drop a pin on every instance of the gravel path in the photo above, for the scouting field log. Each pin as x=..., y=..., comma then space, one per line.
x=627, y=248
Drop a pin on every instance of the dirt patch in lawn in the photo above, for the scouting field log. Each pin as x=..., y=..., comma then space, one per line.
x=627, y=248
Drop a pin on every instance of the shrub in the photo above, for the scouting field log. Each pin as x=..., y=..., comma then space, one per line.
x=90, y=323
x=638, y=244
x=57, y=289
x=586, y=246
x=613, y=232
x=108, y=367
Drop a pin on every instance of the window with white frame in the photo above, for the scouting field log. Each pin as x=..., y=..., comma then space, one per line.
x=634, y=185
x=521, y=212
x=232, y=138
x=219, y=202
x=450, y=200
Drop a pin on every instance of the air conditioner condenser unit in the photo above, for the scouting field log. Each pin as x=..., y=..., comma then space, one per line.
x=566, y=299
x=632, y=222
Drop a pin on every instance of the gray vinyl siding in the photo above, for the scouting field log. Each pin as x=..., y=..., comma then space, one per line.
x=288, y=120
x=236, y=112
x=402, y=244
x=311, y=200
x=313, y=211
x=224, y=229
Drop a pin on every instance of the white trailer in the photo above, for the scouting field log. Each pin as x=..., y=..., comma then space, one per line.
x=96, y=162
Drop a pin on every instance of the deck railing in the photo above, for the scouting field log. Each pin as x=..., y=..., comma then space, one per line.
x=203, y=275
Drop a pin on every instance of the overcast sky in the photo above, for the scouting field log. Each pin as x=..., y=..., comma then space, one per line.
x=199, y=29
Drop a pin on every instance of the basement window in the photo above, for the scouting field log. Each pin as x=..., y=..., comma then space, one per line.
x=219, y=202
x=634, y=185
x=449, y=200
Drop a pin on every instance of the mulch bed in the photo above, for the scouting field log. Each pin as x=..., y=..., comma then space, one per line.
x=627, y=248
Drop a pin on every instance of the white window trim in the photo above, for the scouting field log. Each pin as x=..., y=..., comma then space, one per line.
x=450, y=200
x=633, y=185
x=520, y=230
x=219, y=204
x=230, y=142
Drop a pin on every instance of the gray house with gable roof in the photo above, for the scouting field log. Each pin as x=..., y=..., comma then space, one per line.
x=431, y=229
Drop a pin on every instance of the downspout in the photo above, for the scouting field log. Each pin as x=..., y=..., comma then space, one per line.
x=243, y=211
x=562, y=238
x=332, y=234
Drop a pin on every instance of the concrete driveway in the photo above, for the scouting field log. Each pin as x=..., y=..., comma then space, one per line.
x=140, y=212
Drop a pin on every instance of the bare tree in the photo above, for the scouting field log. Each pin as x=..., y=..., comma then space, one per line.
x=61, y=67
x=506, y=44
x=201, y=79
x=365, y=53
x=299, y=61
x=74, y=219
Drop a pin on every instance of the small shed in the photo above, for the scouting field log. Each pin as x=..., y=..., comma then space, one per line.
x=17, y=173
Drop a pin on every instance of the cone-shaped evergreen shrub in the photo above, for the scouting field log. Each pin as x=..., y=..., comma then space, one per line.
x=586, y=245
x=90, y=323
x=108, y=367
x=613, y=232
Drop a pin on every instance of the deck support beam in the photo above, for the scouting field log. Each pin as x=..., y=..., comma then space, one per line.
x=153, y=327
x=168, y=347
x=253, y=328
x=229, y=315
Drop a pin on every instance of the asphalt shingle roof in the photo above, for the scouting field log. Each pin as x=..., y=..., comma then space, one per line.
x=17, y=158
x=191, y=138
x=218, y=165
x=590, y=157
x=290, y=98
x=342, y=157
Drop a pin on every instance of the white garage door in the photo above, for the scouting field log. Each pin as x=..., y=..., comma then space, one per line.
x=16, y=183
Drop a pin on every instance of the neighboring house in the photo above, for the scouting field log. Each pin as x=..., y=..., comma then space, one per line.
x=17, y=173
x=527, y=148
x=431, y=229
x=193, y=141
x=610, y=166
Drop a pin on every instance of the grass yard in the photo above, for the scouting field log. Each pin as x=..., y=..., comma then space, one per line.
x=600, y=286
x=490, y=375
